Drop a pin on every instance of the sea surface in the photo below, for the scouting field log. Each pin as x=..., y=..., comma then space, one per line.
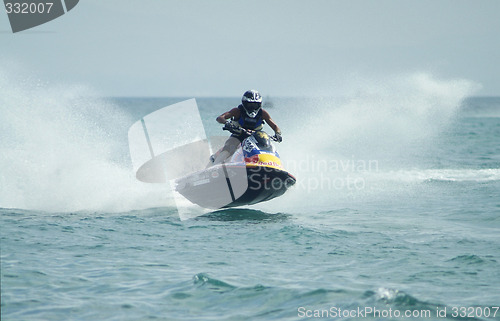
x=395, y=215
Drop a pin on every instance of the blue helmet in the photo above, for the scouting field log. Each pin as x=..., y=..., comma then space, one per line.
x=252, y=102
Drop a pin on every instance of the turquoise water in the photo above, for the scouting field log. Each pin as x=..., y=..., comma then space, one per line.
x=81, y=240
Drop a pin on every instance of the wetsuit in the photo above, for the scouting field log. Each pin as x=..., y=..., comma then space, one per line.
x=234, y=141
x=256, y=123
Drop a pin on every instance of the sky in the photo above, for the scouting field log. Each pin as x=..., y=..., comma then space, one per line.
x=280, y=47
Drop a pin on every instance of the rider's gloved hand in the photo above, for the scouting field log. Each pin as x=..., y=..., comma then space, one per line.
x=278, y=138
x=228, y=125
x=233, y=126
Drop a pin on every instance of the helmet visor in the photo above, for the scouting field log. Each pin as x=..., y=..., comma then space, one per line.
x=252, y=106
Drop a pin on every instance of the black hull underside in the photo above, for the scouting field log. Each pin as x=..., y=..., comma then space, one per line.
x=216, y=191
x=264, y=184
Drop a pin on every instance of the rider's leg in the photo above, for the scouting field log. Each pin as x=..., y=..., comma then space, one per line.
x=229, y=148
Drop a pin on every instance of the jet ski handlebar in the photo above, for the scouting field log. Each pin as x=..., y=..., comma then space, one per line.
x=235, y=128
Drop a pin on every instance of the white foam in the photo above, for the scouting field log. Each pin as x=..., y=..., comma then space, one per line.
x=445, y=175
x=380, y=128
x=63, y=151
x=376, y=118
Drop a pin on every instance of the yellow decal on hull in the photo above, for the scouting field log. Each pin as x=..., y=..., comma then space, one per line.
x=266, y=160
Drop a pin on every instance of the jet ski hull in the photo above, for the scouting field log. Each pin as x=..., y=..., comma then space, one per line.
x=264, y=184
x=230, y=185
x=253, y=174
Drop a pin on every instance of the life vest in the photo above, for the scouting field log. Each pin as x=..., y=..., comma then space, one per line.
x=248, y=122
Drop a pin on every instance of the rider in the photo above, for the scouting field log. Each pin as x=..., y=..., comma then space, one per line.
x=249, y=115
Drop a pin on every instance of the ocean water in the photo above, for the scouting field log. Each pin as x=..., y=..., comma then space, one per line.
x=395, y=215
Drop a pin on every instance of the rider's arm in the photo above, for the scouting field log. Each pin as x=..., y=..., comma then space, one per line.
x=270, y=121
x=233, y=113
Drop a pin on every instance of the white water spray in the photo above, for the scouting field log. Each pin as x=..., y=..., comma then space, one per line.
x=356, y=147
x=63, y=151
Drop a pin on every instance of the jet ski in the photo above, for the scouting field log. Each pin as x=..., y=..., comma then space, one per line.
x=253, y=174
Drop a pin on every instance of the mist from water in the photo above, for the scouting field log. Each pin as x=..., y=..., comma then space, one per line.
x=63, y=151
x=373, y=142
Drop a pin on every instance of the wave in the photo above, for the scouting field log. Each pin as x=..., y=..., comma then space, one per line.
x=211, y=295
x=472, y=259
x=444, y=175
x=244, y=214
